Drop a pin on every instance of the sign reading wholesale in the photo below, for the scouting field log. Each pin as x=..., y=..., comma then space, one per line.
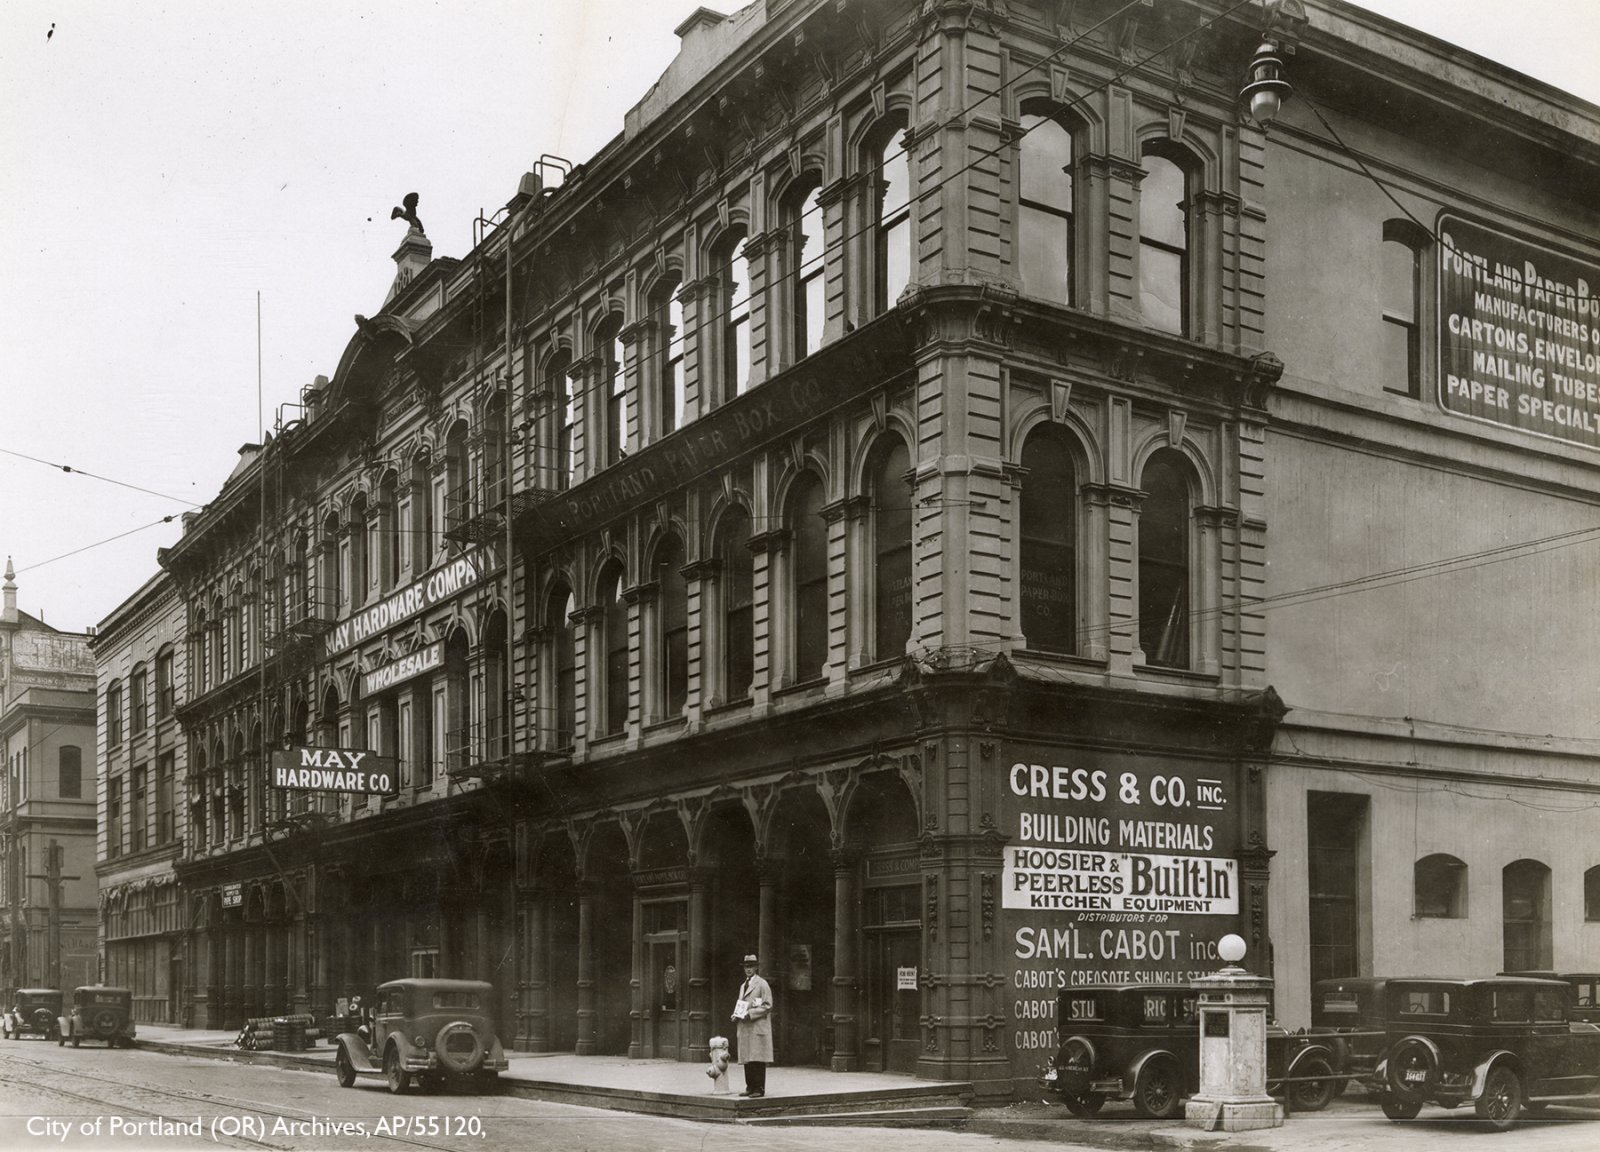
x=1119, y=870
x=347, y=770
x=424, y=659
x=1519, y=333
x=434, y=588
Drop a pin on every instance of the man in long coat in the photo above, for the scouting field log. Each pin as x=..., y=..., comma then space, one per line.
x=755, y=1028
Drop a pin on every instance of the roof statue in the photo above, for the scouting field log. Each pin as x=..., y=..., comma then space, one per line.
x=408, y=213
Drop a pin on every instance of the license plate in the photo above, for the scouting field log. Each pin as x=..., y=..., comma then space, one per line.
x=1415, y=1076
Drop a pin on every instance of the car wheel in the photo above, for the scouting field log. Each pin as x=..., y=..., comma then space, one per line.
x=1158, y=1091
x=399, y=1078
x=1501, y=1101
x=1312, y=1095
x=1396, y=1108
x=1413, y=1067
x=343, y=1070
x=1084, y=1106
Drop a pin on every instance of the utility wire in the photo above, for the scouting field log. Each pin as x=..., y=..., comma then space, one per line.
x=104, y=479
x=99, y=543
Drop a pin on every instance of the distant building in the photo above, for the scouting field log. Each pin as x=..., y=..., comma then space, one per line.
x=143, y=766
x=947, y=501
x=47, y=739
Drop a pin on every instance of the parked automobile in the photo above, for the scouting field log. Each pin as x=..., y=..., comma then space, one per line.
x=1347, y=1015
x=1585, y=990
x=33, y=1012
x=99, y=1012
x=1141, y=1042
x=433, y=1031
x=1503, y=1045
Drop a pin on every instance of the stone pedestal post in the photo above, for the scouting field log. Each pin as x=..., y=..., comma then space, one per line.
x=1233, y=1050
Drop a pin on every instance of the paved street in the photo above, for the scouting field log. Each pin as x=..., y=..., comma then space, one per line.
x=48, y=1096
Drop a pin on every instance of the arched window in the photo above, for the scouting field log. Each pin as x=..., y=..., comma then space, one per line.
x=614, y=643
x=457, y=489
x=733, y=315
x=1164, y=562
x=1044, y=231
x=197, y=797
x=296, y=577
x=496, y=689
x=806, y=273
x=114, y=706
x=424, y=545
x=495, y=463
x=1399, y=294
x=891, y=213
x=1049, y=535
x=559, y=607
x=452, y=701
x=1439, y=886
x=166, y=683
x=738, y=599
x=1525, y=916
x=614, y=388
x=892, y=578
x=809, y=533
x=1163, y=245
x=673, y=619
x=140, y=681
x=330, y=587
x=1591, y=894
x=671, y=338
x=558, y=385
x=218, y=655
x=389, y=531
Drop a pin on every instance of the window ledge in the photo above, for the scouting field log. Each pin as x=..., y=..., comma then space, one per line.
x=731, y=706
x=1066, y=659
x=1176, y=675
x=812, y=687
x=672, y=724
x=875, y=667
x=613, y=739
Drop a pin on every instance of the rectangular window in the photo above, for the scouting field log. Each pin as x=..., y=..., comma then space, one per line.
x=140, y=700
x=165, y=830
x=70, y=762
x=438, y=723
x=1399, y=277
x=136, y=823
x=1335, y=841
x=114, y=818
x=114, y=715
x=405, y=740
x=165, y=686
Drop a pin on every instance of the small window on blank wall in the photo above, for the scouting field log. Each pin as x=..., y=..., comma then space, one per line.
x=1591, y=893
x=1399, y=295
x=1440, y=887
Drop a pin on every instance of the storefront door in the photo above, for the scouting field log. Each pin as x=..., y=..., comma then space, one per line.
x=664, y=990
x=894, y=1000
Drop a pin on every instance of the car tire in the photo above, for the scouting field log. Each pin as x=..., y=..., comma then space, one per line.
x=343, y=1070
x=454, y=1060
x=1158, y=1090
x=1311, y=1095
x=399, y=1079
x=1085, y=1106
x=1398, y=1108
x=1500, y=1103
x=1413, y=1067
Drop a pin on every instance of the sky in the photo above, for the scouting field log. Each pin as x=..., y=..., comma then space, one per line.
x=164, y=166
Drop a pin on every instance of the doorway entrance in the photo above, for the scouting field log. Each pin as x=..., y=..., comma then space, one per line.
x=894, y=1000
x=666, y=956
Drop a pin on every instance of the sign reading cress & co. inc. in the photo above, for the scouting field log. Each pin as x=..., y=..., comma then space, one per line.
x=353, y=771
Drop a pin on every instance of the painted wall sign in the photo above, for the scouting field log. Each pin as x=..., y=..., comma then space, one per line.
x=408, y=667
x=346, y=770
x=1519, y=333
x=434, y=588
x=1118, y=869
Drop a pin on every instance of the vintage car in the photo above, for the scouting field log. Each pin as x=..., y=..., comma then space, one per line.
x=1347, y=1016
x=1503, y=1045
x=99, y=1013
x=1141, y=1042
x=1585, y=991
x=33, y=1012
x=435, y=1031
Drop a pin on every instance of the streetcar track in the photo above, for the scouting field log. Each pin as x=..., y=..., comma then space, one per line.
x=237, y=1104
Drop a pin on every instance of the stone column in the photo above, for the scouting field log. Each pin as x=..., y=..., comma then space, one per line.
x=846, y=979
x=638, y=1010
x=587, y=1041
x=233, y=975
x=767, y=871
x=271, y=977
x=536, y=1004
x=700, y=1008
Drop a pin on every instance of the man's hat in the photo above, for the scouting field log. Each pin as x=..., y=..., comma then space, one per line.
x=751, y=959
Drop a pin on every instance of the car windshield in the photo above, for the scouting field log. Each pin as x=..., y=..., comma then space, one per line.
x=455, y=1000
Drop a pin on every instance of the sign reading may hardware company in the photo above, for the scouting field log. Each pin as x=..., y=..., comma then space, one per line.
x=348, y=770
x=434, y=588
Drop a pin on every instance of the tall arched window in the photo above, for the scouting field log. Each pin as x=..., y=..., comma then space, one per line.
x=614, y=389
x=114, y=705
x=1049, y=535
x=330, y=586
x=558, y=384
x=496, y=689
x=389, y=531
x=360, y=573
x=420, y=531
x=738, y=599
x=806, y=272
x=457, y=489
x=1164, y=561
x=892, y=578
x=1044, y=227
x=733, y=315
x=1525, y=916
x=891, y=213
x=1163, y=245
x=809, y=533
x=614, y=643
x=559, y=607
x=672, y=616
x=1399, y=294
x=670, y=340
x=295, y=581
x=453, y=705
x=140, y=680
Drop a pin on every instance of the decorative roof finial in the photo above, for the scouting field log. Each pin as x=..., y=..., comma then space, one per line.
x=408, y=213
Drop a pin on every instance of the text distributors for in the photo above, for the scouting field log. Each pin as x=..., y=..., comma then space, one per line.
x=1118, y=870
x=1519, y=333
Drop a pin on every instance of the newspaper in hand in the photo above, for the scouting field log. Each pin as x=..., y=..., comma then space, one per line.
x=741, y=1009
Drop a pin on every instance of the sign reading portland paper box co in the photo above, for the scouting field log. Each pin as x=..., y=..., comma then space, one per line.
x=1519, y=333
x=1118, y=869
x=434, y=588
